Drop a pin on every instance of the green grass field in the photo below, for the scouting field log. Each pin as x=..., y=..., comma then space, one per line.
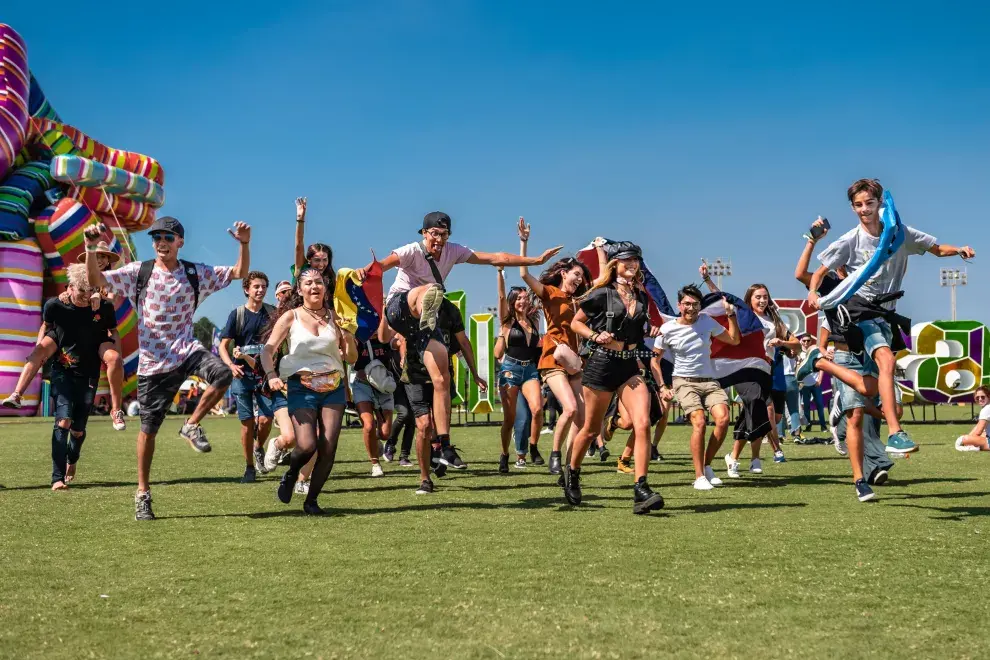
x=492, y=566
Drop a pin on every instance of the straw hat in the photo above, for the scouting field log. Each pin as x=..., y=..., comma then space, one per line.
x=104, y=249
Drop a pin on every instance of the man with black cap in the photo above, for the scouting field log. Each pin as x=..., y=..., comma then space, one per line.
x=166, y=293
x=414, y=300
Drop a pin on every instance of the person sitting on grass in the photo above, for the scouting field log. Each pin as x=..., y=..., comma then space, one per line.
x=976, y=440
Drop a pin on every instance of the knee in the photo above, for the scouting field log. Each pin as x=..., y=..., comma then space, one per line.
x=63, y=423
x=77, y=434
x=112, y=359
x=568, y=410
x=264, y=421
x=698, y=420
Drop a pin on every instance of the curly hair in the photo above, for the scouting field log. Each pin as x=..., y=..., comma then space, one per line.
x=554, y=275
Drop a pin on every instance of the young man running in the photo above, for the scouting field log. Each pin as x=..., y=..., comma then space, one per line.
x=852, y=251
x=243, y=330
x=414, y=300
x=166, y=292
x=688, y=338
x=78, y=331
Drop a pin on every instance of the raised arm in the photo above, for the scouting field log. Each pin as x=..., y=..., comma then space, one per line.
x=388, y=263
x=242, y=233
x=965, y=251
x=706, y=278
x=816, y=281
x=531, y=282
x=503, y=301
x=730, y=336
x=599, y=244
x=801, y=272
x=92, y=236
x=300, y=234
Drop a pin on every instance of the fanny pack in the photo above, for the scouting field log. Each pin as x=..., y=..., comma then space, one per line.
x=324, y=381
x=378, y=375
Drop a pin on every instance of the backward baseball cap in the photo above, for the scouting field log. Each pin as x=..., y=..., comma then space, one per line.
x=436, y=220
x=169, y=224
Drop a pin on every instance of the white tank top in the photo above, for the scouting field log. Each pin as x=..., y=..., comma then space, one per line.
x=309, y=352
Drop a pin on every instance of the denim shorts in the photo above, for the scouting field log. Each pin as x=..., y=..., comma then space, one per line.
x=876, y=334
x=514, y=373
x=849, y=398
x=73, y=398
x=279, y=402
x=362, y=392
x=301, y=397
x=246, y=393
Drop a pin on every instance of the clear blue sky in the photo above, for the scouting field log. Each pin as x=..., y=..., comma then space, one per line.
x=697, y=129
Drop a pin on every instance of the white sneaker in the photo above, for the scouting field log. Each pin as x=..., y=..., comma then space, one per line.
x=961, y=447
x=731, y=467
x=12, y=401
x=756, y=466
x=710, y=475
x=272, y=455
x=376, y=470
x=118, y=420
x=302, y=487
x=840, y=446
x=701, y=483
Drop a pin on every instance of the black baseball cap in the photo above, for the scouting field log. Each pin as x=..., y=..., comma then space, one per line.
x=436, y=220
x=169, y=224
x=623, y=250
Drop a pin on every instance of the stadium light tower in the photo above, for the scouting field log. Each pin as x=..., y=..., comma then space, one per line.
x=952, y=277
x=718, y=269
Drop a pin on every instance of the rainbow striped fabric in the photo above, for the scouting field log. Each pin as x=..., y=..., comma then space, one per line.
x=14, y=88
x=20, y=303
x=79, y=171
x=21, y=193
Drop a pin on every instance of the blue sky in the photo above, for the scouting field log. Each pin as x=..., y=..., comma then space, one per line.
x=698, y=130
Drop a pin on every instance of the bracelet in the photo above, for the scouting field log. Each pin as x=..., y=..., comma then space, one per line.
x=92, y=248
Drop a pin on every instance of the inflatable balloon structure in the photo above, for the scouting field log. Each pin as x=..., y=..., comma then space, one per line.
x=54, y=182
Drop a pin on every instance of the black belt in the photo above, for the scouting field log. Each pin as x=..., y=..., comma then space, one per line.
x=696, y=379
x=627, y=354
x=521, y=363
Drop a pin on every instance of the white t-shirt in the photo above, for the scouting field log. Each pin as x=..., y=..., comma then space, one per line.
x=985, y=413
x=769, y=332
x=415, y=271
x=790, y=365
x=690, y=346
x=856, y=247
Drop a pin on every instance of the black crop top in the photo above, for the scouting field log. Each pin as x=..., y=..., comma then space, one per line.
x=517, y=348
x=627, y=329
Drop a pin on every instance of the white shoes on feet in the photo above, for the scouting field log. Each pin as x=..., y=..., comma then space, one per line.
x=710, y=475
x=702, y=483
x=376, y=470
x=731, y=466
x=756, y=466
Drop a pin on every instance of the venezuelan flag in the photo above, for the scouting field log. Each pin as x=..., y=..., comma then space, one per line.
x=359, y=304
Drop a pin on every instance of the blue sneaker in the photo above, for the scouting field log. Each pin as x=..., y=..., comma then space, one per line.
x=863, y=491
x=806, y=366
x=778, y=457
x=900, y=443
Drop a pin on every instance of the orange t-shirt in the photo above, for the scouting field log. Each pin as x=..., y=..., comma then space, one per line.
x=559, y=309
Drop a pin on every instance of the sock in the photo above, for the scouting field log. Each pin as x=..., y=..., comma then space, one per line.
x=444, y=439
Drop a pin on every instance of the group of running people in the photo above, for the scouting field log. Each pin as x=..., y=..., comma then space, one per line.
x=605, y=363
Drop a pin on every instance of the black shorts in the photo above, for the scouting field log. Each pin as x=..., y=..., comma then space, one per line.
x=420, y=397
x=156, y=392
x=778, y=398
x=400, y=318
x=73, y=398
x=607, y=374
x=753, y=421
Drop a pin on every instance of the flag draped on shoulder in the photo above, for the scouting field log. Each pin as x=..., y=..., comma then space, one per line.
x=891, y=238
x=359, y=304
x=729, y=361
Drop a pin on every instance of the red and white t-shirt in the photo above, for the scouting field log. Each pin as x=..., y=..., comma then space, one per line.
x=165, y=321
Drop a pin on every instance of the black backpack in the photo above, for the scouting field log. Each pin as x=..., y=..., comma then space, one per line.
x=144, y=274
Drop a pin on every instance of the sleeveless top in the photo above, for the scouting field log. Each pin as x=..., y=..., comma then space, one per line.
x=517, y=348
x=308, y=352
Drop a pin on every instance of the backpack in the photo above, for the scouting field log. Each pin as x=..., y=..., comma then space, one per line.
x=144, y=274
x=239, y=322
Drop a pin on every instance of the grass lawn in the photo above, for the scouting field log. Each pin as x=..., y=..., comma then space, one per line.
x=492, y=566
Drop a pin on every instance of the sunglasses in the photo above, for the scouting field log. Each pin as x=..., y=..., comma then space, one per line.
x=163, y=236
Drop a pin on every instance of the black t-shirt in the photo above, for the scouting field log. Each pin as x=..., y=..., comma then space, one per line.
x=78, y=333
x=383, y=352
x=250, y=332
x=625, y=328
x=450, y=324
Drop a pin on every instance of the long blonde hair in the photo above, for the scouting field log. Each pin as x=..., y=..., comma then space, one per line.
x=608, y=276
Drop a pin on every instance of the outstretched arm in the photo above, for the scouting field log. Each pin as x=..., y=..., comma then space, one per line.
x=965, y=251
x=300, y=234
x=388, y=263
x=242, y=234
x=531, y=282
x=506, y=259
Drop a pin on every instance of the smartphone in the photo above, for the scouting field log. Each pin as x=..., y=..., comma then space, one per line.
x=816, y=231
x=231, y=232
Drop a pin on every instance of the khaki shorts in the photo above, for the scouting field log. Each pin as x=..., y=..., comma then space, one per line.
x=547, y=374
x=702, y=395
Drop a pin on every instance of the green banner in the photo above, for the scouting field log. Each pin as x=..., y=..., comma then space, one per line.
x=482, y=333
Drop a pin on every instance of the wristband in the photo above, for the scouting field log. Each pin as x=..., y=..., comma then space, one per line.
x=92, y=248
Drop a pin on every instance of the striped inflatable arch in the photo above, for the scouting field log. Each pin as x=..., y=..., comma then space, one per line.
x=20, y=300
x=14, y=90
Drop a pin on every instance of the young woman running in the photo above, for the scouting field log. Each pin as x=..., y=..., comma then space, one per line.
x=109, y=351
x=517, y=348
x=976, y=440
x=312, y=371
x=558, y=288
x=775, y=335
x=614, y=316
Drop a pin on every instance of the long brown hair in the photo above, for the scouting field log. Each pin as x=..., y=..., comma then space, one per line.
x=554, y=275
x=772, y=310
x=534, y=311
